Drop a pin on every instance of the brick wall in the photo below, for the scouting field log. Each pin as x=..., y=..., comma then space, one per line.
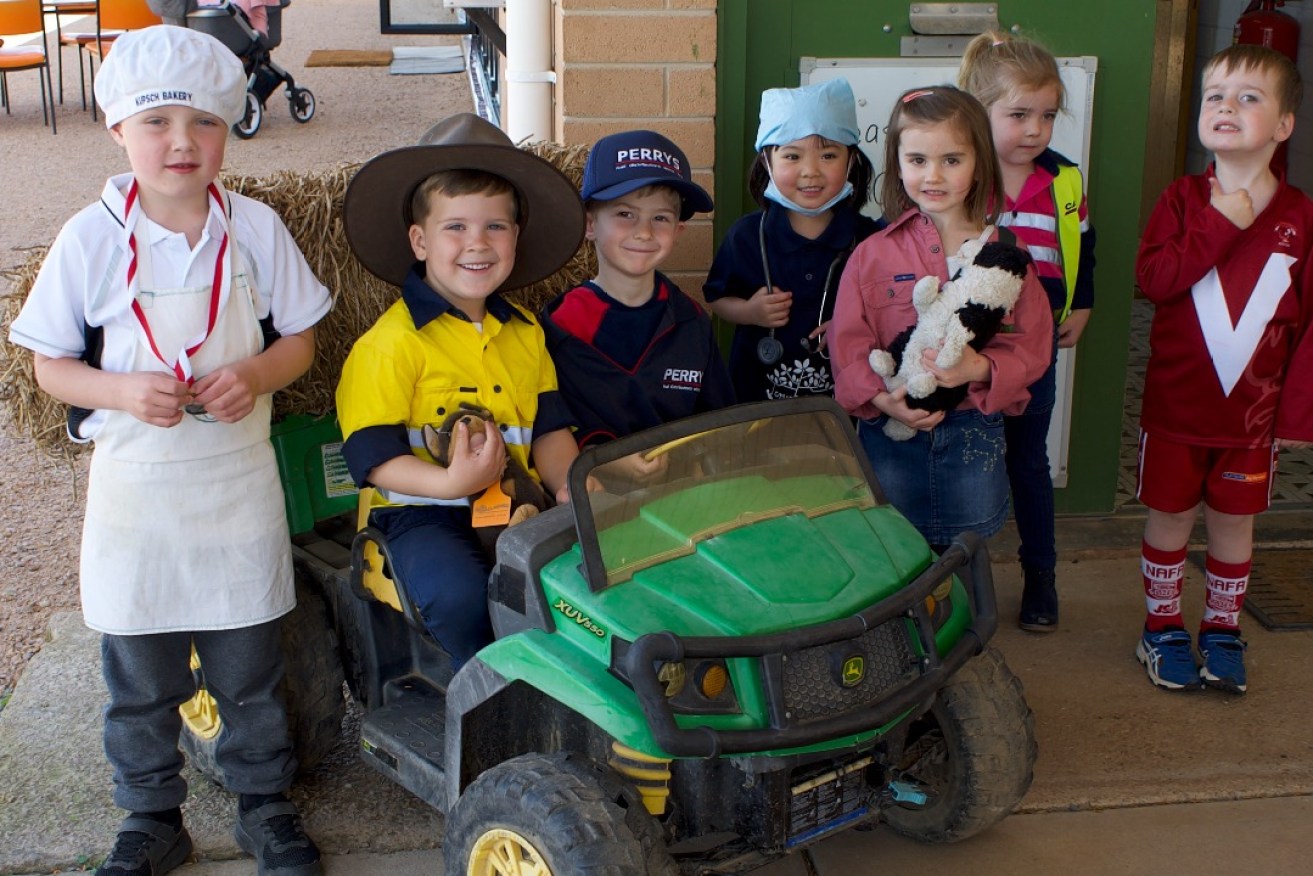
x=625, y=64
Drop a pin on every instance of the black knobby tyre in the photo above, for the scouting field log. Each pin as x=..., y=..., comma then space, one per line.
x=557, y=814
x=975, y=748
x=312, y=691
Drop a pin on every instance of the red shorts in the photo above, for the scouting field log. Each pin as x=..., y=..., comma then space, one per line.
x=1175, y=477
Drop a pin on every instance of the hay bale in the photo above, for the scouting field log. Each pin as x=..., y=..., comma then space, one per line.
x=310, y=204
x=29, y=411
x=569, y=160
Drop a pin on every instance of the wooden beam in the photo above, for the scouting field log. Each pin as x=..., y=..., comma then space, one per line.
x=1167, y=134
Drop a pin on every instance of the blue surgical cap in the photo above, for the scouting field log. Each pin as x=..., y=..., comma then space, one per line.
x=827, y=109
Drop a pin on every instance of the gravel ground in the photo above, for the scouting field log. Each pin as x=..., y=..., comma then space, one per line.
x=45, y=179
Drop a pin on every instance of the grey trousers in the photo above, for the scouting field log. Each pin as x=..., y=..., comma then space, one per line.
x=149, y=677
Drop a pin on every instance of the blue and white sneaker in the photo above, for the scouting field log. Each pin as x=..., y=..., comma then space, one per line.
x=1224, y=660
x=1168, y=657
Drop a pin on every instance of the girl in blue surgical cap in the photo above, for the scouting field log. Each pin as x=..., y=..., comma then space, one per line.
x=776, y=274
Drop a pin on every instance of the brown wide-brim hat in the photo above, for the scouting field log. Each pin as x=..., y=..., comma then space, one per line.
x=376, y=209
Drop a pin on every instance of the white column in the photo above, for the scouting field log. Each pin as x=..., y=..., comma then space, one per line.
x=528, y=77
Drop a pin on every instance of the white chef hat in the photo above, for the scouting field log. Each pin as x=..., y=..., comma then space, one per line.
x=170, y=66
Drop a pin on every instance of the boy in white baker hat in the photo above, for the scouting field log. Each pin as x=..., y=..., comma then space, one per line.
x=166, y=314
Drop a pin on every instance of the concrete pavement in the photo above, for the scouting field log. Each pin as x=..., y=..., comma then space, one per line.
x=1261, y=836
x=1119, y=760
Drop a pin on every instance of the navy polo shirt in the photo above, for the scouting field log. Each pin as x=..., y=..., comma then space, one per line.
x=797, y=265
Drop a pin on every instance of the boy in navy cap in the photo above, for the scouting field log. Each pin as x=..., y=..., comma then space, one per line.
x=632, y=350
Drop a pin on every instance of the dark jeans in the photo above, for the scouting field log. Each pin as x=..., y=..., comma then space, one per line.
x=149, y=676
x=1028, y=473
x=443, y=568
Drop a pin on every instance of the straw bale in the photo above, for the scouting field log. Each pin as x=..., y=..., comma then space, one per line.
x=569, y=160
x=310, y=204
x=28, y=410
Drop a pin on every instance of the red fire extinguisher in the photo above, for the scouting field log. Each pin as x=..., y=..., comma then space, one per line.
x=1262, y=25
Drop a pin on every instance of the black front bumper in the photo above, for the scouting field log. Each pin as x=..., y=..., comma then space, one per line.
x=967, y=557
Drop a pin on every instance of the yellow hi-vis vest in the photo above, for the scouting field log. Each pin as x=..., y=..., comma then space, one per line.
x=1067, y=189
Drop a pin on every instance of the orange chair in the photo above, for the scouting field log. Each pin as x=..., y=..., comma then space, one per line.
x=21, y=17
x=113, y=18
x=59, y=9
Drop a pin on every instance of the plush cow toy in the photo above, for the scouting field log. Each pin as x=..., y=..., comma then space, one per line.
x=527, y=495
x=967, y=310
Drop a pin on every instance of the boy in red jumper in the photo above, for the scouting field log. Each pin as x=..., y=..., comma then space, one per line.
x=1225, y=260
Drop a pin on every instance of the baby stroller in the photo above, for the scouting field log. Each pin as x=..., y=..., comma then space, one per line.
x=230, y=26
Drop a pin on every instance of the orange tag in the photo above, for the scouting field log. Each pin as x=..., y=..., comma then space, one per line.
x=493, y=508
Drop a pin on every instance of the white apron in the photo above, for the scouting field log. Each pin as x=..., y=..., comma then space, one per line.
x=185, y=527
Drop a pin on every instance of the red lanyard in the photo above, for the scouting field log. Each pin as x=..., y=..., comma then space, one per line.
x=181, y=366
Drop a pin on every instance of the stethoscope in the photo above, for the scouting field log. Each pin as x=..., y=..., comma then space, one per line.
x=769, y=349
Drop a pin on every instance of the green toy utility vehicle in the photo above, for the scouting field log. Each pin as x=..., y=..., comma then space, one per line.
x=695, y=671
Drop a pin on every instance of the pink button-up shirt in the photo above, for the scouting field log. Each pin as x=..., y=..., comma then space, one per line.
x=875, y=304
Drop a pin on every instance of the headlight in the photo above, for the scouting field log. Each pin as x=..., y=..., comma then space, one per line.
x=711, y=691
x=695, y=686
x=939, y=604
x=673, y=678
x=713, y=679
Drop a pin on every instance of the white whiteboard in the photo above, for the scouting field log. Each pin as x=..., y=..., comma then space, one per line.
x=877, y=83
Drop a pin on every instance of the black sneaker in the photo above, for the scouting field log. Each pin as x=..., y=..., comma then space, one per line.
x=146, y=847
x=273, y=834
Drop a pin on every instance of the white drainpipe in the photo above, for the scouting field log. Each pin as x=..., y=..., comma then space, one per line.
x=529, y=76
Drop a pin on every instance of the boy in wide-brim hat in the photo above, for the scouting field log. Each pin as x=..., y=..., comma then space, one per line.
x=454, y=222
x=203, y=307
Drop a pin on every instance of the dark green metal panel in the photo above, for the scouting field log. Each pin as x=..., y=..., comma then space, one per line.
x=760, y=44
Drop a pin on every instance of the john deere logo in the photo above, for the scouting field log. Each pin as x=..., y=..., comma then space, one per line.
x=854, y=670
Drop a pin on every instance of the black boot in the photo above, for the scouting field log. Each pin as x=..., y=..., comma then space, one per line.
x=1039, y=601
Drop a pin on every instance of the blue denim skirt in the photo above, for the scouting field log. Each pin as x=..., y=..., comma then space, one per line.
x=947, y=480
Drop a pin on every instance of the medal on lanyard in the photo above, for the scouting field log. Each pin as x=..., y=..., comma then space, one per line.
x=181, y=365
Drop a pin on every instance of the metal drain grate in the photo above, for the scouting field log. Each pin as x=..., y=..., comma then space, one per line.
x=1280, y=594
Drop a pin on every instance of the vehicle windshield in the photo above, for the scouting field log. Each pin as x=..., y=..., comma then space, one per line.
x=657, y=495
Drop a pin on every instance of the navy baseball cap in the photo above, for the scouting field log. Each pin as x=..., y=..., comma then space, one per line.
x=621, y=163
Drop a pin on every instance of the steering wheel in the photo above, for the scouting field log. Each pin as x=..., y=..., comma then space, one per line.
x=662, y=449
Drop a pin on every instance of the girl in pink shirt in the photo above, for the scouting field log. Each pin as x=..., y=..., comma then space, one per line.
x=942, y=187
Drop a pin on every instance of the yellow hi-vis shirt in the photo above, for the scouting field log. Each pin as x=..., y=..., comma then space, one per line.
x=397, y=374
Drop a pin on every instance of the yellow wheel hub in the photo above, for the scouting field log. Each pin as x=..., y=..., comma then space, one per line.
x=200, y=714
x=501, y=852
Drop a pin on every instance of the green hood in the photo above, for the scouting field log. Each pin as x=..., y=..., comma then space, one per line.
x=767, y=576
